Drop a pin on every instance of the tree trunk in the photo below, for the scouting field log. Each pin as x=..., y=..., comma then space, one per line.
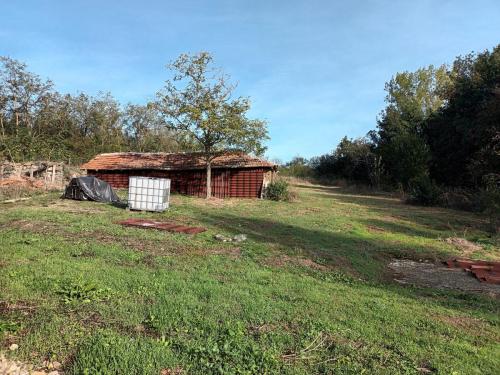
x=3, y=128
x=209, y=179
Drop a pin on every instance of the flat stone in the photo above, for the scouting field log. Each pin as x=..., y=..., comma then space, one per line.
x=220, y=237
x=240, y=238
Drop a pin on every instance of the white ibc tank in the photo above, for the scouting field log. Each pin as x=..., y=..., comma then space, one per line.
x=148, y=193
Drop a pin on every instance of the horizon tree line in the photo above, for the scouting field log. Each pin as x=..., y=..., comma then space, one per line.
x=440, y=127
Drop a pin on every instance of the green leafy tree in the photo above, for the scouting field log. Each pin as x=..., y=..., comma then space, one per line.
x=353, y=160
x=412, y=98
x=297, y=167
x=197, y=102
x=464, y=136
x=146, y=130
x=22, y=96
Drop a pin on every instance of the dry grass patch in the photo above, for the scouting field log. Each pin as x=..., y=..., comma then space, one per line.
x=470, y=325
x=71, y=206
x=465, y=246
x=284, y=260
x=375, y=229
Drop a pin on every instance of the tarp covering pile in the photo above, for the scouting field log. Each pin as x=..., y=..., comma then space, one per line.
x=90, y=188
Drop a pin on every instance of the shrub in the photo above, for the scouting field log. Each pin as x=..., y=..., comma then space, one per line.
x=278, y=191
x=423, y=191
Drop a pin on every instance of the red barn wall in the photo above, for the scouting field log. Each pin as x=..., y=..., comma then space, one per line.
x=242, y=183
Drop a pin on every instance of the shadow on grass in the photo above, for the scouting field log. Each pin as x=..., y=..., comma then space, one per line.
x=408, y=229
x=123, y=204
x=366, y=257
x=436, y=218
x=347, y=253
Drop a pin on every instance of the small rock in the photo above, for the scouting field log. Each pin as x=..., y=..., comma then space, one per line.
x=240, y=238
x=13, y=347
x=56, y=365
x=220, y=237
x=53, y=373
x=38, y=373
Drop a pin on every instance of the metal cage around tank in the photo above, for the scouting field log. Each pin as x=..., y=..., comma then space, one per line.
x=148, y=193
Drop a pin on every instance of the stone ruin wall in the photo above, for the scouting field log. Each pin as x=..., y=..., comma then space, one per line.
x=51, y=173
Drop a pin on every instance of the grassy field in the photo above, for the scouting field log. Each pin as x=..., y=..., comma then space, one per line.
x=308, y=292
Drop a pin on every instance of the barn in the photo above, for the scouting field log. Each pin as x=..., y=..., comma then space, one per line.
x=234, y=174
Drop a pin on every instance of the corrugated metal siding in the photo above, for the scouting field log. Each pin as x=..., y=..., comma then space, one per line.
x=245, y=183
x=242, y=183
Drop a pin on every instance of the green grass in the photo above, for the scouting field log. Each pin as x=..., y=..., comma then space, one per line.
x=307, y=293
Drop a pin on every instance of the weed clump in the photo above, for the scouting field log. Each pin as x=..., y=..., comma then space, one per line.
x=82, y=291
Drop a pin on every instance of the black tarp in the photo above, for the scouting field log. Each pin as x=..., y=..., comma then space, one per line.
x=90, y=188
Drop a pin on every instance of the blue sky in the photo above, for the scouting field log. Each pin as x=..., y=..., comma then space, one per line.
x=315, y=70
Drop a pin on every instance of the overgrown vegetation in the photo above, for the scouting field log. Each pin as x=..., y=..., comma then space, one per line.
x=308, y=292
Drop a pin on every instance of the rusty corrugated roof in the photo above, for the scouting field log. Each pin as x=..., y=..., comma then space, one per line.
x=172, y=161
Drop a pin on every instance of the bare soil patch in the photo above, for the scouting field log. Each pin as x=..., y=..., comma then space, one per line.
x=463, y=322
x=471, y=326
x=437, y=276
x=70, y=207
x=286, y=260
x=308, y=211
x=230, y=251
x=257, y=330
x=390, y=218
x=375, y=229
x=24, y=308
x=172, y=371
x=32, y=226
